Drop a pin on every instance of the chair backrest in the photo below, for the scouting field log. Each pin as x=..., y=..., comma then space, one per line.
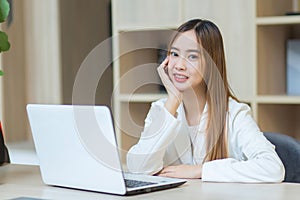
x=288, y=149
x=4, y=156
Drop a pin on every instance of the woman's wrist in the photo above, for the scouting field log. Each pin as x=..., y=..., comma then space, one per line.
x=171, y=105
x=198, y=171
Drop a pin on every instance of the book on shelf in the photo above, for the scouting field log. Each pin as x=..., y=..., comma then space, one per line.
x=293, y=67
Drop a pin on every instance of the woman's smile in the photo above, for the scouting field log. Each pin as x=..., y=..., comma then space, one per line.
x=180, y=78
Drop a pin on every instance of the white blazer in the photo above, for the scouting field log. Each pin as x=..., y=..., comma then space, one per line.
x=165, y=141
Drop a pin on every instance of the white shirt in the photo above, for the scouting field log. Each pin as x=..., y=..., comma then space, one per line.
x=197, y=139
x=167, y=140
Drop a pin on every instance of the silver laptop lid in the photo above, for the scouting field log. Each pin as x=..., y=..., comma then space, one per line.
x=76, y=147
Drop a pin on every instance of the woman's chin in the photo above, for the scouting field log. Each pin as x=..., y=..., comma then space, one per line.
x=181, y=89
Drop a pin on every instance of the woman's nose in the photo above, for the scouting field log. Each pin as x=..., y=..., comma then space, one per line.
x=180, y=65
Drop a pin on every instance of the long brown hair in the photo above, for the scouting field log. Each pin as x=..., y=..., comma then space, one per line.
x=217, y=86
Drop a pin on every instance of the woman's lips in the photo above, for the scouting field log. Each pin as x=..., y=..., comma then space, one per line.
x=180, y=78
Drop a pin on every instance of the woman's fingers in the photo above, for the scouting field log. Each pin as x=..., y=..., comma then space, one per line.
x=162, y=69
x=174, y=95
x=182, y=171
x=165, y=62
x=167, y=170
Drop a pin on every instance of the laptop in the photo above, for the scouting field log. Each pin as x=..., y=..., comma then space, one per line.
x=76, y=147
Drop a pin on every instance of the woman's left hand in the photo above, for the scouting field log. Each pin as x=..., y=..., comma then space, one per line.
x=182, y=171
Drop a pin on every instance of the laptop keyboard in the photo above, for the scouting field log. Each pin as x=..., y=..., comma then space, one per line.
x=134, y=183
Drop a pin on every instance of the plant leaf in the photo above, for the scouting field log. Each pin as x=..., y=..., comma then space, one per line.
x=1, y=73
x=4, y=10
x=4, y=44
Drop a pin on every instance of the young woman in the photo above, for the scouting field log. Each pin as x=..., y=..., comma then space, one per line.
x=201, y=130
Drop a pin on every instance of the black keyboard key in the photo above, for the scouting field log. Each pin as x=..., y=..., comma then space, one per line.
x=134, y=183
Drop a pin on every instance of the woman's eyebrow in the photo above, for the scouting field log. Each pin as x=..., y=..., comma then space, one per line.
x=193, y=50
x=189, y=50
x=174, y=48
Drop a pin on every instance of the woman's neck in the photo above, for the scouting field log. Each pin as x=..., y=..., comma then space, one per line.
x=194, y=102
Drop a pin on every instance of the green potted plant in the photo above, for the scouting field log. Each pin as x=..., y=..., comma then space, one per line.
x=4, y=46
x=4, y=11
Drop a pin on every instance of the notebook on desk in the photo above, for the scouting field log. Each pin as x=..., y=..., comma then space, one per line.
x=77, y=148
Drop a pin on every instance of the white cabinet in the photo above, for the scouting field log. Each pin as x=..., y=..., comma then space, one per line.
x=276, y=111
x=254, y=34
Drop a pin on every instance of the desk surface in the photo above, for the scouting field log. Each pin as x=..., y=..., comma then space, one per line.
x=25, y=181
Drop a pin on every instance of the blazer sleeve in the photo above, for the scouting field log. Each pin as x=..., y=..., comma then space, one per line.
x=255, y=158
x=147, y=155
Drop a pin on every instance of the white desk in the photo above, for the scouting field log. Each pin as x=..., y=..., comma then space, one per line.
x=25, y=181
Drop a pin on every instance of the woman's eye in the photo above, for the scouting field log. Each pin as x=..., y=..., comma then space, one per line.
x=174, y=54
x=193, y=57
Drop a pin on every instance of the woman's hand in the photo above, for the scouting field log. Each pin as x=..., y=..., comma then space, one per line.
x=182, y=171
x=174, y=95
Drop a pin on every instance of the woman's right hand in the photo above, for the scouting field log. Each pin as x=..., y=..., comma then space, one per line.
x=174, y=95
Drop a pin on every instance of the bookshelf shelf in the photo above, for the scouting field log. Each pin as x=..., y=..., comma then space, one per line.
x=278, y=99
x=278, y=20
x=133, y=28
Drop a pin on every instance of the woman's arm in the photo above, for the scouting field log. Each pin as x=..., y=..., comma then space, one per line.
x=255, y=158
x=159, y=132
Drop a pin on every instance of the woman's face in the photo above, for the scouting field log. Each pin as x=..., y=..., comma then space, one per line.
x=185, y=62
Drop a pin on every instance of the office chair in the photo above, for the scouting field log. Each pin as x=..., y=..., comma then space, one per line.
x=288, y=149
